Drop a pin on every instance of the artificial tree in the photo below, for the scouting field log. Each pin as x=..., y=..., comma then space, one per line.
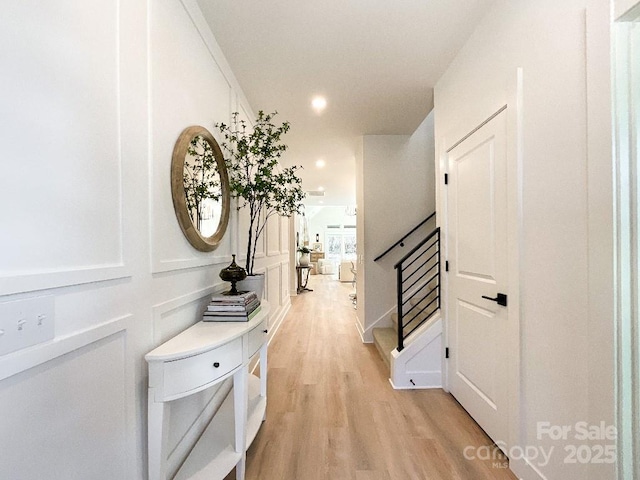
x=256, y=178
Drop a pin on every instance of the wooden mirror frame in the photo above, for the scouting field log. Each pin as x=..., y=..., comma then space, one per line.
x=204, y=244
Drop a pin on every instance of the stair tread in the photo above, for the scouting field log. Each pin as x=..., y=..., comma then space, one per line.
x=386, y=337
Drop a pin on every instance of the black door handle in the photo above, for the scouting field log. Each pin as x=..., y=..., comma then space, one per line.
x=501, y=299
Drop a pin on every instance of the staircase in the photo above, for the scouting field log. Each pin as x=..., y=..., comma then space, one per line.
x=386, y=338
x=412, y=347
x=419, y=363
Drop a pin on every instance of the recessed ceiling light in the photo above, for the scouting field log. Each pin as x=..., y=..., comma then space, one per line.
x=319, y=104
x=321, y=189
x=320, y=163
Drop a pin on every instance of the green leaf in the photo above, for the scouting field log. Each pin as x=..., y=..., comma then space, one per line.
x=256, y=178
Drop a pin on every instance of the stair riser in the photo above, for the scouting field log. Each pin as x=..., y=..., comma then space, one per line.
x=385, y=356
x=385, y=341
x=424, y=302
x=420, y=318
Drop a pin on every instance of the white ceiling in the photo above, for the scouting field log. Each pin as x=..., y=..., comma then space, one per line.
x=375, y=61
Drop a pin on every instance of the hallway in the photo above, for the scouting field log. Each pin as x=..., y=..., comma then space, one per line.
x=333, y=415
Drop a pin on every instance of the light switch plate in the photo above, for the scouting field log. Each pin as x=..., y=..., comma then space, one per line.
x=24, y=323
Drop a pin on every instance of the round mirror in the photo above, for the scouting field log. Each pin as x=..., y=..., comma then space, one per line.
x=200, y=188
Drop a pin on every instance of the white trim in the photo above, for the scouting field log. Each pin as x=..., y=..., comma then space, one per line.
x=276, y=219
x=526, y=464
x=284, y=290
x=283, y=231
x=41, y=280
x=384, y=321
x=201, y=25
x=515, y=227
x=361, y=332
x=161, y=266
x=627, y=249
x=441, y=169
x=17, y=362
x=278, y=318
x=160, y=309
x=268, y=275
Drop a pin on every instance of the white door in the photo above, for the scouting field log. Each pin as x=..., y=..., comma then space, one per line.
x=477, y=250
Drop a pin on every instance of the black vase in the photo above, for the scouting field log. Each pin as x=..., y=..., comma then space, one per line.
x=233, y=273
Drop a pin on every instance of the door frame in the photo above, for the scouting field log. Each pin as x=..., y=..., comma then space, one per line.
x=514, y=152
x=626, y=106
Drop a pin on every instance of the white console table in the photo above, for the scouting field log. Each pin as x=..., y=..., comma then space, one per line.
x=198, y=358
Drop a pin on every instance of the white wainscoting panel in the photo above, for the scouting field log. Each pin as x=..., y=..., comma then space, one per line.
x=284, y=234
x=64, y=145
x=25, y=359
x=74, y=410
x=273, y=236
x=184, y=90
x=261, y=245
x=263, y=271
x=243, y=233
x=273, y=285
x=177, y=314
x=284, y=282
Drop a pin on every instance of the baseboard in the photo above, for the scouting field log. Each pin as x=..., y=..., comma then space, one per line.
x=382, y=322
x=429, y=384
x=525, y=470
x=361, y=333
x=273, y=330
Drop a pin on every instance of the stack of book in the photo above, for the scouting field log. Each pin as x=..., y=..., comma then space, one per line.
x=232, y=308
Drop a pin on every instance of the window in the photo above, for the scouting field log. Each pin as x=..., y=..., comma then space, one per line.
x=340, y=242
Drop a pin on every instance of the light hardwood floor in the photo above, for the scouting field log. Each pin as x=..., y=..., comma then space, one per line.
x=332, y=414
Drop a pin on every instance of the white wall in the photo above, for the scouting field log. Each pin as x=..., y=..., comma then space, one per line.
x=566, y=352
x=398, y=193
x=94, y=96
x=623, y=6
x=323, y=216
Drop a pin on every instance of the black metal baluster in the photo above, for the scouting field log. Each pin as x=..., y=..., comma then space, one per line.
x=400, y=336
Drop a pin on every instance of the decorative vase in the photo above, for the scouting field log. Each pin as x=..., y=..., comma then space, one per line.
x=233, y=273
x=253, y=283
x=304, y=260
